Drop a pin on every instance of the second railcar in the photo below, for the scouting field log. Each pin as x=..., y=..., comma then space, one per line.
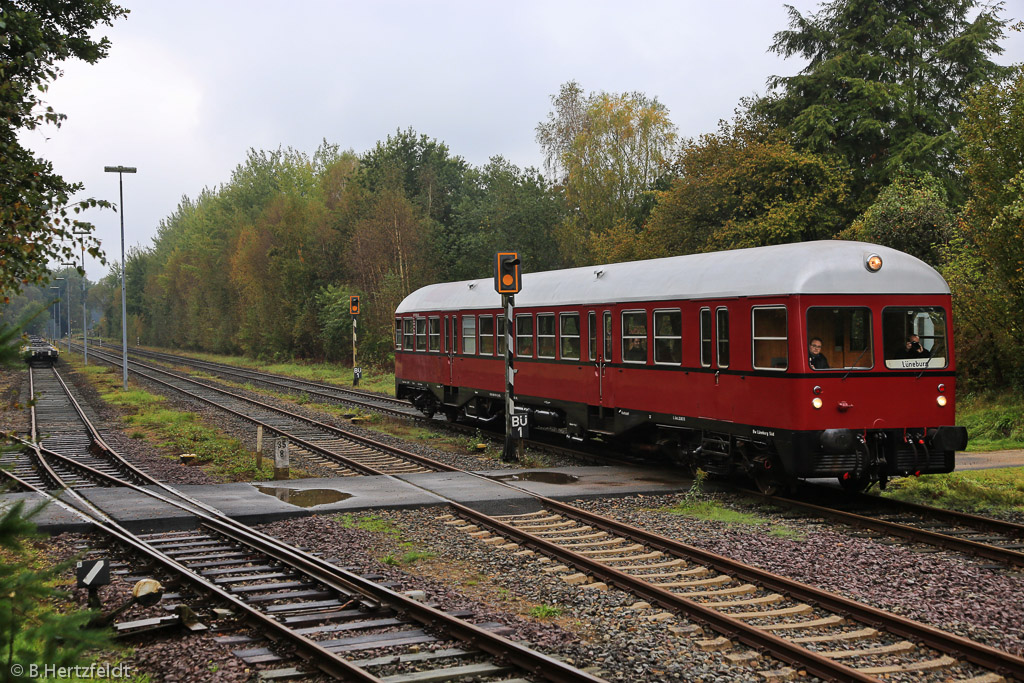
x=819, y=359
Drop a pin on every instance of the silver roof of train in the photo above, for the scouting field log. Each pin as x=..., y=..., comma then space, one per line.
x=824, y=267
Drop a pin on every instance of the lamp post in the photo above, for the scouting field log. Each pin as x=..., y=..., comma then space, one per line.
x=56, y=321
x=85, y=315
x=60, y=331
x=120, y=171
x=69, y=305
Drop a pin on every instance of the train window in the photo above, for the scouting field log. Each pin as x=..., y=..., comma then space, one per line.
x=845, y=334
x=524, y=336
x=409, y=330
x=486, y=335
x=569, y=333
x=722, y=335
x=421, y=334
x=501, y=335
x=398, y=333
x=433, y=334
x=592, y=333
x=545, y=335
x=771, y=345
x=634, y=336
x=608, y=336
x=914, y=338
x=668, y=337
x=705, y=337
x=468, y=334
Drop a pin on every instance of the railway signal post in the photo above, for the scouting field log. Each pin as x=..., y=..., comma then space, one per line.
x=507, y=283
x=353, y=309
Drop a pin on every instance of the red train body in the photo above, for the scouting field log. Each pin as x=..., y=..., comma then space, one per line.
x=705, y=357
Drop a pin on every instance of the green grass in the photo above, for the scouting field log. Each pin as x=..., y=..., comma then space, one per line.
x=414, y=556
x=545, y=612
x=986, y=491
x=994, y=421
x=713, y=511
x=374, y=379
x=370, y=523
x=148, y=418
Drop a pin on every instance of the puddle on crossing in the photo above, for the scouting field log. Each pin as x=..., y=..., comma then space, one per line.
x=540, y=477
x=304, y=498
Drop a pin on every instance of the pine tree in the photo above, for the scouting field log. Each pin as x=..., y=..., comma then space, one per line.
x=885, y=84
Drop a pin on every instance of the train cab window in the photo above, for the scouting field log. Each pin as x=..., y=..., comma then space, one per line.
x=770, y=337
x=524, y=336
x=433, y=334
x=705, y=337
x=468, y=334
x=914, y=338
x=569, y=333
x=500, y=337
x=421, y=334
x=668, y=337
x=722, y=335
x=545, y=335
x=408, y=333
x=398, y=333
x=592, y=334
x=634, y=336
x=486, y=327
x=845, y=334
x=607, y=336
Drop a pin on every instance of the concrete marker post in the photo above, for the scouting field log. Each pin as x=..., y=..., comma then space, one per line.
x=280, y=458
x=259, y=447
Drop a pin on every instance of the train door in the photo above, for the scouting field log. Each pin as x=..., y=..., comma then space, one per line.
x=449, y=346
x=725, y=399
x=601, y=345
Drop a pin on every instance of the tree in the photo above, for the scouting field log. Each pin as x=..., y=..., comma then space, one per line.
x=502, y=209
x=884, y=84
x=984, y=265
x=36, y=37
x=912, y=215
x=609, y=150
x=745, y=186
x=420, y=167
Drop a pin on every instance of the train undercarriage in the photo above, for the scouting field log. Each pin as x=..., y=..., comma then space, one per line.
x=774, y=459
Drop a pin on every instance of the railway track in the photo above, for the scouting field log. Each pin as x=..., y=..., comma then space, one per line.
x=322, y=611
x=813, y=630
x=983, y=537
x=330, y=393
x=59, y=423
x=343, y=452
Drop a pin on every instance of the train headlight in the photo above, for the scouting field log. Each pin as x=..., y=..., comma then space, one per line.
x=816, y=402
x=941, y=400
x=873, y=263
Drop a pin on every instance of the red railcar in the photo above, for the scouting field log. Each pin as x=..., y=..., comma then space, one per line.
x=706, y=357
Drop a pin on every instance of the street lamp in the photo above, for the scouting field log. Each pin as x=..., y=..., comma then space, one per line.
x=120, y=171
x=85, y=315
x=60, y=331
x=69, y=306
x=56, y=320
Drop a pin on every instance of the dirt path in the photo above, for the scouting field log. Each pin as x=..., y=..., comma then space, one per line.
x=984, y=461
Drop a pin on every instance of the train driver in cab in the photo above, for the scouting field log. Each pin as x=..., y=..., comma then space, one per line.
x=913, y=349
x=816, y=358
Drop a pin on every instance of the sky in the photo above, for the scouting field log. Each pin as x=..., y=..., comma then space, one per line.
x=190, y=86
